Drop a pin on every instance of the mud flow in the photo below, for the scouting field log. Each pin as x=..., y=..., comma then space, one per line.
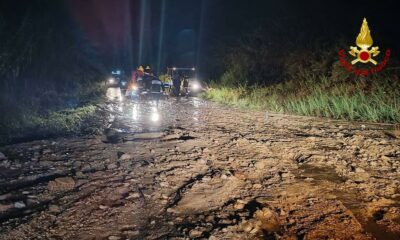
x=190, y=169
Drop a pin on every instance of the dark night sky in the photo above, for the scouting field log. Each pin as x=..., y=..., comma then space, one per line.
x=192, y=28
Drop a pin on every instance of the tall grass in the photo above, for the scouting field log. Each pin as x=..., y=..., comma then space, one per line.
x=376, y=100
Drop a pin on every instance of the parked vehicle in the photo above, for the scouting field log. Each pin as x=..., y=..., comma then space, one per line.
x=118, y=79
x=144, y=85
x=190, y=85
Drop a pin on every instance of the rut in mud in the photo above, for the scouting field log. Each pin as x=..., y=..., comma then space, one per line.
x=189, y=168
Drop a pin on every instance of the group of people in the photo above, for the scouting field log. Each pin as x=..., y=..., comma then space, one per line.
x=179, y=80
x=143, y=78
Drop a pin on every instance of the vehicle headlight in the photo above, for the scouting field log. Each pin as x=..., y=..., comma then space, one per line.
x=196, y=86
x=111, y=80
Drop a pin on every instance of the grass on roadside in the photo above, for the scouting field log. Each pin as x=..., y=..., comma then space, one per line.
x=374, y=101
x=50, y=115
x=33, y=126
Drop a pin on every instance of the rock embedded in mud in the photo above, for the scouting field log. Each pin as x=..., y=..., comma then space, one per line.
x=5, y=207
x=195, y=233
x=133, y=195
x=238, y=206
x=19, y=205
x=54, y=209
x=361, y=177
x=267, y=220
x=247, y=226
x=125, y=157
x=61, y=184
x=114, y=238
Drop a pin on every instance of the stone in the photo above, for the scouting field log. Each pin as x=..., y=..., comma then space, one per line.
x=361, y=177
x=61, y=184
x=238, y=206
x=46, y=151
x=113, y=238
x=2, y=156
x=54, y=209
x=19, y=205
x=164, y=184
x=125, y=157
x=5, y=207
x=195, y=233
x=102, y=207
x=202, y=161
x=247, y=226
x=5, y=196
x=133, y=195
x=267, y=220
x=359, y=170
x=170, y=210
x=77, y=164
x=122, y=191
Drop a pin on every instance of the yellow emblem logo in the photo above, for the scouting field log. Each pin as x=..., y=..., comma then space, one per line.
x=364, y=52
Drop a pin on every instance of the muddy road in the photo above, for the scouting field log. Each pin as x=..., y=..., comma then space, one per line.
x=192, y=169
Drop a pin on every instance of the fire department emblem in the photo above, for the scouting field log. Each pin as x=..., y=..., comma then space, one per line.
x=364, y=52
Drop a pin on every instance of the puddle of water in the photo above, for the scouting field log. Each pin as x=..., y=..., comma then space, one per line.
x=348, y=198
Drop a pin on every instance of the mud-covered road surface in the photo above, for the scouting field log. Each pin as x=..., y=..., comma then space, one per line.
x=191, y=169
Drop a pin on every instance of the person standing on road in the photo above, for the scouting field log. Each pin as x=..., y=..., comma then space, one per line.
x=186, y=86
x=177, y=85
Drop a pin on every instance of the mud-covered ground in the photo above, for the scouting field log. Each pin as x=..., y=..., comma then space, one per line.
x=191, y=169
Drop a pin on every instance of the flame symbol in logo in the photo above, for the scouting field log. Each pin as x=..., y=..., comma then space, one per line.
x=364, y=39
x=364, y=42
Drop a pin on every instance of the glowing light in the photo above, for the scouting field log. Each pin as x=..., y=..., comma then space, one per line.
x=193, y=69
x=111, y=80
x=155, y=117
x=174, y=68
x=135, y=112
x=161, y=35
x=196, y=86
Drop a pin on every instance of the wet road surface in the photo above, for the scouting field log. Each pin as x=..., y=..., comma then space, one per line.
x=191, y=169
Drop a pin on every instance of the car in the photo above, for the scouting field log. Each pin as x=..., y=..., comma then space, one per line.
x=147, y=86
x=118, y=79
x=195, y=86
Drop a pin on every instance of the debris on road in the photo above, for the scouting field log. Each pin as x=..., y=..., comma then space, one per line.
x=225, y=175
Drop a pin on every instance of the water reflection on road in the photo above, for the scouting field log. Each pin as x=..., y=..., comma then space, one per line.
x=114, y=94
x=152, y=115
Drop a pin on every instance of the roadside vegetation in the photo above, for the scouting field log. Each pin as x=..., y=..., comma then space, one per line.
x=303, y=78
x=50, y=77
